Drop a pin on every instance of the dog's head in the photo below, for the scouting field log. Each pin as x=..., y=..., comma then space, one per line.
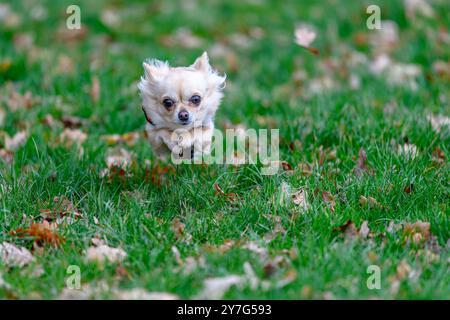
x=174, y=97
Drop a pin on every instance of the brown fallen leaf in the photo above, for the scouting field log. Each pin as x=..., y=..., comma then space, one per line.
x=328, y=198
x=272, y=266
x=62, y=208
x=288, y=278
x=6, y=155
x=403, y=269
x=305, y=169
x=438, y=156
x=67, y=35
x=42, y=233
x=179, y=229
x=222, y=248
x=439, y=122
x=14, y=142
x=65, y=65
x=370, y=202
x=286, y=166
x=159, y=174
x=327, y=154
x=215, y=288
x=94, y=90
x=408, y=150
x=299, y=198
x=350, y=232
x=2, y=117
x=348, y=229
x=361, y=166
x=304, y=36
x=72, y=122
x=417, y=232
x=48, y=120
x=393, y=227
x=219, y=192
x=18, y=101
x=71, y=137
x=409, y=188
x=182, y=37
x=118, y=157
x=129, y=138
x=101, y=253
x=262, y=252
x=13, y=256
x=364, y=230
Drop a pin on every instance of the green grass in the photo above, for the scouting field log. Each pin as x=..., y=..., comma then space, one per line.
x=136, y=214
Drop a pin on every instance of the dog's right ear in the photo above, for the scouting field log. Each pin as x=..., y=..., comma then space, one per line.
x=155, y=69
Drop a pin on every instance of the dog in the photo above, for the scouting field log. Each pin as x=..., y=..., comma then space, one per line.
x=179, y=105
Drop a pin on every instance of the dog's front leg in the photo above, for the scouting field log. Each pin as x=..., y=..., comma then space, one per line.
x=202, y=138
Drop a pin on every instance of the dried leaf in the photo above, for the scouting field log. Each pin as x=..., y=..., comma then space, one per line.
x=103, y=253
x=370, y=202
x=304, y=36
x=119, y=158
x=18, y=101
x=305, y=169
x=159, y=174
x=300, y=198
x=215, y=288
x=409, y=188
x=177, y=227
x=403, y=269
x=43, y=233
x=183, y=37
x=421, y=7
x=224, y=247
x=94, y=90
x=72, y=122
x=65, y=65
x=67, y=35
x=13, y=256
x=349, y=230
x=62, y=210
x=129, y=138
x=230, y=196
x=288, y=278
x=417, y=232
x=408, y=150
x=364, y=230
x=286, y=166
x=71, y=137
x=328, y=198
x=2, y=117
x=361, y=166
x=254, y=247
x=12, y=144
x=438, y=156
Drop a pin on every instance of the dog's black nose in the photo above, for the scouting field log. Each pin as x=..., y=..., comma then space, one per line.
x=183, y=115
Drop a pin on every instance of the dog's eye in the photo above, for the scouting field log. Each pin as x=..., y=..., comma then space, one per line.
x=168, y=103
x=195, y=99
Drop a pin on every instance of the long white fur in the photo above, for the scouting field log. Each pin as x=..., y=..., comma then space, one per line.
x=160, y=80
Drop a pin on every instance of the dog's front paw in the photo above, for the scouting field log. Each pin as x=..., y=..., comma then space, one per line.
x=185, y=140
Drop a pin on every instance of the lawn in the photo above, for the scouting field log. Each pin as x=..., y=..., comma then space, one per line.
x=364, y=135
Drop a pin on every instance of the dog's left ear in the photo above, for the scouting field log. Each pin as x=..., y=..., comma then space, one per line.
x=202, y=63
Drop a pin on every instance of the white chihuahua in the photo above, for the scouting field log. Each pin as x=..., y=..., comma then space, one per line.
x=179, y=104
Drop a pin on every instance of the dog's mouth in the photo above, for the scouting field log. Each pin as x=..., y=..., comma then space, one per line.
x=185, y=123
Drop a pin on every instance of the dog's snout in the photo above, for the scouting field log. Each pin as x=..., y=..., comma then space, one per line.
x=183, y=115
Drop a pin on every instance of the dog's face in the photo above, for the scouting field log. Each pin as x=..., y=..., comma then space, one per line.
x=180, y=97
